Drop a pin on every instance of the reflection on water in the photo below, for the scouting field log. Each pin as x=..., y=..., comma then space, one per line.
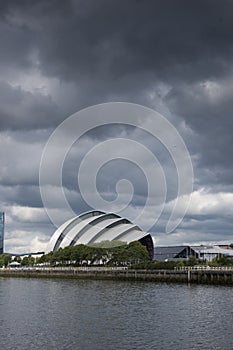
x=96, y=315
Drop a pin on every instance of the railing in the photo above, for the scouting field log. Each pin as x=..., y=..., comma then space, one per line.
x=79, y=268
x=204, y=268
x=122, y=268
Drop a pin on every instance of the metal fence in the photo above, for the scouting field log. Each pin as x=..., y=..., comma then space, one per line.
x=204, y=268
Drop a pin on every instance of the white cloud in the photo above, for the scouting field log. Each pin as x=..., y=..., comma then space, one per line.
x=21, y=242
x=204, y=203
x=27, y=214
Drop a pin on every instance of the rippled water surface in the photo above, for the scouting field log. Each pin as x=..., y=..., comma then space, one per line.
x=95, y=315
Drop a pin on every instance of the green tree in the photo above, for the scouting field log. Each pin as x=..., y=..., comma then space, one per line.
x=137, y=253
x=180, y=264
x=119, y=256
x=45, y=258
x=66, y=254
x=28, y=261
x=132, y=253
x=5, y=259
x=57, y=257
x=191, y=261
x=77, y=253
x=221, y=260
x=87, y=254
x=17, y=259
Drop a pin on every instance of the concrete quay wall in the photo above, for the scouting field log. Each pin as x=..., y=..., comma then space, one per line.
x=188, y=276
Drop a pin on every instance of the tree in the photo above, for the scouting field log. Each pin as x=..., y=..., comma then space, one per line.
x=221, y=260
x=66, y=254
x=119, y=255
x=136, y=252
x=45, y=259
x=17, y=259
x=191, y=261
x=86, y=254
x=28, y=261
x=132, y=253
x=57, y=256
x=5, y=260
x=77, y=253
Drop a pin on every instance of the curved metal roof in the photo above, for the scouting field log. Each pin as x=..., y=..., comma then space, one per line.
x=93, y=227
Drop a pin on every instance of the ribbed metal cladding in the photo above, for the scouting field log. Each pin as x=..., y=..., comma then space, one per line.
x=96, y=226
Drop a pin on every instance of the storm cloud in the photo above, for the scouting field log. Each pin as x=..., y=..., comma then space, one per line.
x=58, y=57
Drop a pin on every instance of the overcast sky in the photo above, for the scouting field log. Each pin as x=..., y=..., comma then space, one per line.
x=57, y=57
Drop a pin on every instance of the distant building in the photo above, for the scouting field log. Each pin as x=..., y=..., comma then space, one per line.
x=14, y=264
x=169, y=253
x=2, y=224
x=209, y=252
x=203, y=252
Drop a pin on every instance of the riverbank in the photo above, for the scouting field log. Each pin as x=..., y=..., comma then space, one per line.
x=224, y=277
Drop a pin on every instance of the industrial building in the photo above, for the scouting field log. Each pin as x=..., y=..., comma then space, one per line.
x=95, y=227
x=203, y=252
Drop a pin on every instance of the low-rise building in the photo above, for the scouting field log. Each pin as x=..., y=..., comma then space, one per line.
x=203, y=252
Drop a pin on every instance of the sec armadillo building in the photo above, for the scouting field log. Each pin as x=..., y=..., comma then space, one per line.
x=96, y=226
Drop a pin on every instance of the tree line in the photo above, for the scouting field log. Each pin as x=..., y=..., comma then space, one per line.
x=111, y=253
x=114, y=253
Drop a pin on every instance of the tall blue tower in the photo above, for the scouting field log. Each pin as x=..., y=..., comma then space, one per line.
x=2, y=224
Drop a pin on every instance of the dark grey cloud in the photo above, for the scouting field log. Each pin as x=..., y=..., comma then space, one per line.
x=25, y=110
x=21, y=195
x=173, y=56
x=79, y=40
x=105, y=40
x=208, y=110
x=111, y=51
x=16, y=42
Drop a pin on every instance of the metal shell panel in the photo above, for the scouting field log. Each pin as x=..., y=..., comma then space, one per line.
x=93, y=227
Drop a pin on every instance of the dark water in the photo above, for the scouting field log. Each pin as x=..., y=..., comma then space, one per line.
x=95, y=315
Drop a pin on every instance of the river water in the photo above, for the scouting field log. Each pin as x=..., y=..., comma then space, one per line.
x=96, y=315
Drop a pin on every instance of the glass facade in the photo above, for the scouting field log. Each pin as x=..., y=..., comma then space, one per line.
x=2, y=222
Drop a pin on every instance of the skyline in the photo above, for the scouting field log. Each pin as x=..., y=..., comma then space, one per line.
x=60, y=57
